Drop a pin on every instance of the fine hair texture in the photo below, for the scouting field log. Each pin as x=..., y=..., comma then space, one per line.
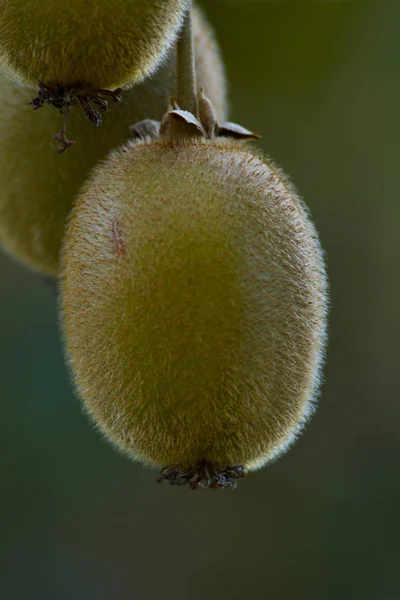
x=193, y=302
x=86, y=43
x=39, y=185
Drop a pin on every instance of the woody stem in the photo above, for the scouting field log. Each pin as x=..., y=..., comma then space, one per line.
x=186, y=70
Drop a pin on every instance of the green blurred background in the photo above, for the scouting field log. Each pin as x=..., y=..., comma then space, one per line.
x=321, y=82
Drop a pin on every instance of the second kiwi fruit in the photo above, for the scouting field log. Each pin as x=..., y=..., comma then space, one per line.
x=39, y=185
x=86, y=43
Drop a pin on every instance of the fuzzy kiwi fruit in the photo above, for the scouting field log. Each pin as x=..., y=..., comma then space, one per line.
x=38, y=185
x=193, y=302
x=86, y=43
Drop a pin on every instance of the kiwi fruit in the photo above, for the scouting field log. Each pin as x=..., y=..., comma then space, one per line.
x=193, y=303
x=39, y=185
x=86, y=44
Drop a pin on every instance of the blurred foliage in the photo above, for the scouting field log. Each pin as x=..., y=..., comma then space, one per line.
x=321, y=82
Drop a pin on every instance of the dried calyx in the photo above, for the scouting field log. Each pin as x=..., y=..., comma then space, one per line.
x=178, y=124
x=93, y=102
x=204, y=474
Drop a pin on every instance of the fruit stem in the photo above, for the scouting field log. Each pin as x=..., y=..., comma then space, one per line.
x=186, y=69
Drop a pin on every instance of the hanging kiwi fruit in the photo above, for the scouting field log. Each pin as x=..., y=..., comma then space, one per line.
x=193, y=297
x=39, y=186
x=86, y=45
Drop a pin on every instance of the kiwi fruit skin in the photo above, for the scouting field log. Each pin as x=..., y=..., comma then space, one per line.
x=193, y=303
x=90, y=43
x=39, y=185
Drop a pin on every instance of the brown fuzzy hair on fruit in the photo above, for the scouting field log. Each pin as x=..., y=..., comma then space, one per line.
x=86, y=44
x=39, y=185
x=193, y=302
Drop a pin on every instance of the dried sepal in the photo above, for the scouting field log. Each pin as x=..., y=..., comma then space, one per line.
x=146, y=129
x=233, y=130
x=178, y=124
x=207, y=114
x=204, y=475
